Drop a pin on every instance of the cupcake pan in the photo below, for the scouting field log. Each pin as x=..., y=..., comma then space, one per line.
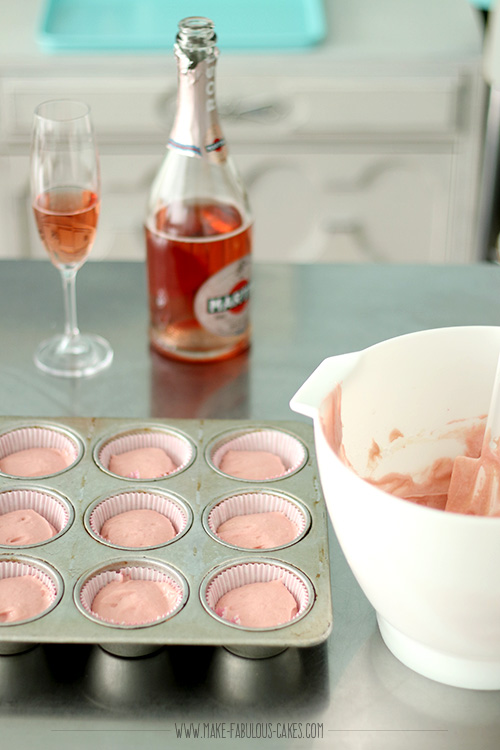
x=195, y=555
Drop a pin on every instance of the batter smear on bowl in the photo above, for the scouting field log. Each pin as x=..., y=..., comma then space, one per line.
x=433, y=487
x=448, y=484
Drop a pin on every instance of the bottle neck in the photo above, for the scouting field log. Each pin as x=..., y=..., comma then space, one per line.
x=196, y=131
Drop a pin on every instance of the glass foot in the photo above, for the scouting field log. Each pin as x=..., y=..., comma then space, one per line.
x=74, y=357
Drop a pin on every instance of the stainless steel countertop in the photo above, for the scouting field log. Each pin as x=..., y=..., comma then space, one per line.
x=350, y=692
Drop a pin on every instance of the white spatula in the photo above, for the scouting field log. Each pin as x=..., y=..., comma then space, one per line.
x=475, y=482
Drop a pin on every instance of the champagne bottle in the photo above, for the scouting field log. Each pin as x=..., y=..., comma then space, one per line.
x=198, y=224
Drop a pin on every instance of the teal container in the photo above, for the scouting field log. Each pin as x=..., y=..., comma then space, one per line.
x=150, y=25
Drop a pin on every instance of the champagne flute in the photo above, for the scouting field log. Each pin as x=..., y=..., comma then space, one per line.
x=65, y=190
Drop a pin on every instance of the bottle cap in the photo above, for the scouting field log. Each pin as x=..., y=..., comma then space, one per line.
x=196, y=38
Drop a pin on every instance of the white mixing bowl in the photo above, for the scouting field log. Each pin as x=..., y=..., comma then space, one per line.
x=432, y=576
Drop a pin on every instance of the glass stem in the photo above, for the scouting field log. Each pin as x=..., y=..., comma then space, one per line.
x=70, y=322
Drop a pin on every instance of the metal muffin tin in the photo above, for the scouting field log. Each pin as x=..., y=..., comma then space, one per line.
x=76, y=553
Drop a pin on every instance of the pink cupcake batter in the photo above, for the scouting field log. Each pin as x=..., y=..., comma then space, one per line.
x=22, y=597
x=138, y=528
x=142, y=463
x=256, y=465
x=36, y=462
x=258, y=605
x=258, y=530
x=129, y=601
x=24, y=526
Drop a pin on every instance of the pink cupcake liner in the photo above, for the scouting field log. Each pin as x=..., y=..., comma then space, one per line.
x=57, y=511
x=257, y=502
x=290, y=449
x=88, y=588
x=239, y=574
x=24, y=566
x=177, y=446
x=41, y=436
x=172, y=507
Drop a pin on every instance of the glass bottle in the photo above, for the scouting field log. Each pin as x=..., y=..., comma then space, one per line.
x=198, y=225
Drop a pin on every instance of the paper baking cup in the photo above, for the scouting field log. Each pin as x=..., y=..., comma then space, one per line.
x=41, y=436
x=228, y=577
x=256, y=502
x=173, y=507
x=52, y=506
x=176, y=445
x=289, y=448
x=12, y=567
x=143, y=570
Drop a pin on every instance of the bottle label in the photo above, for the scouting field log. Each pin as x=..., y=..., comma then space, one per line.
x=221, y=304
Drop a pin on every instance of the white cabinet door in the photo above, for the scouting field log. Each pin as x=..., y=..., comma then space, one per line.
x=17, y=225
x=256, y=109
x=338, y=168
x=349, y=207
x=326, y=207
